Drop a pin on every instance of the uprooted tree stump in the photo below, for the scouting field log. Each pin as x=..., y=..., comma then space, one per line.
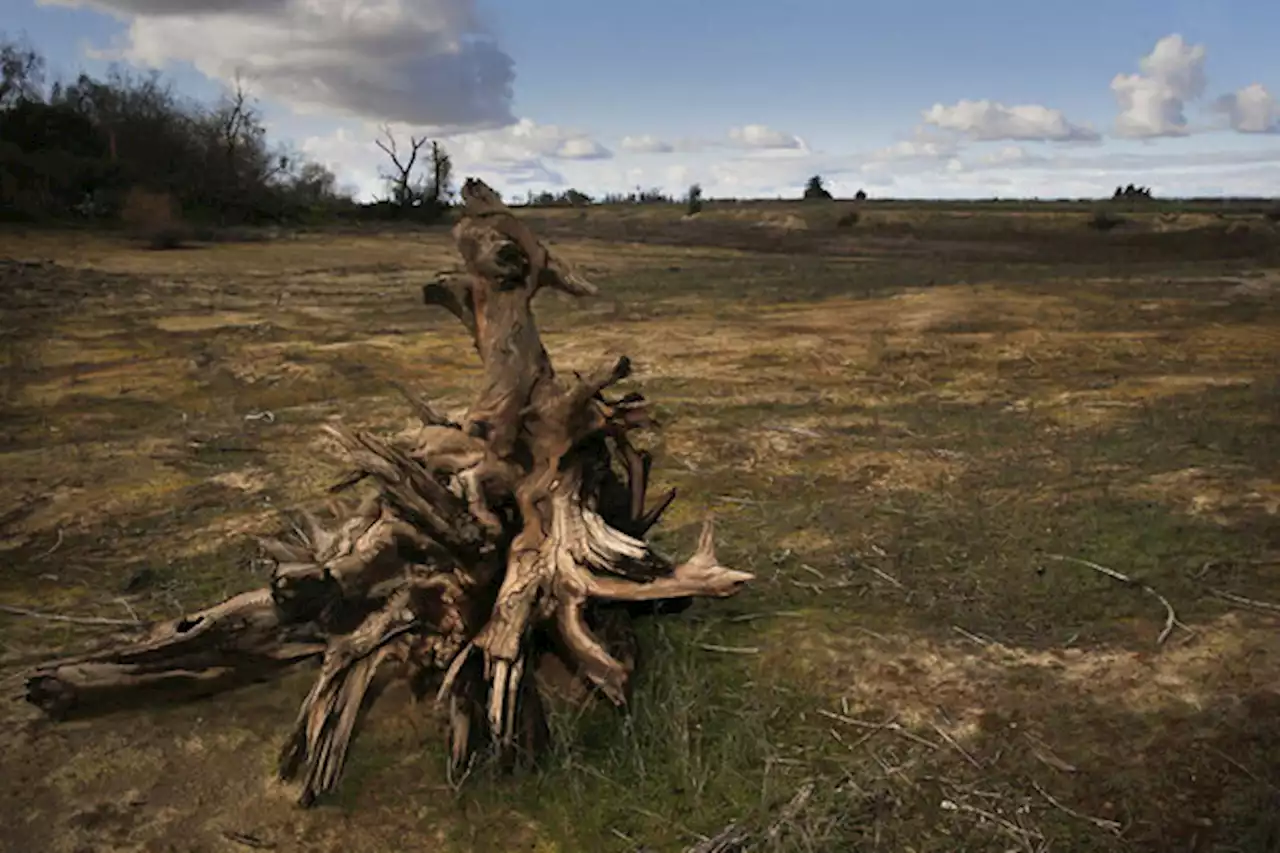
x=485, y=547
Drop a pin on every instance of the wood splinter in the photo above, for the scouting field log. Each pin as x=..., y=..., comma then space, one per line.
x=481, y=550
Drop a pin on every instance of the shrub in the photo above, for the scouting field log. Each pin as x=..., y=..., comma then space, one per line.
x=815, y=191
x=848, y=220
x=693, y=200
x=1104, y=221
x=154, y=217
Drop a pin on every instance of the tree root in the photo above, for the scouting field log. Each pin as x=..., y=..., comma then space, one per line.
x=480, y=549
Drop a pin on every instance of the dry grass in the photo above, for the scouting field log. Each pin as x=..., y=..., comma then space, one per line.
x=893, y=422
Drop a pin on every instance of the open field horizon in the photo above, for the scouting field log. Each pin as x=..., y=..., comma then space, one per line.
x=929, y=430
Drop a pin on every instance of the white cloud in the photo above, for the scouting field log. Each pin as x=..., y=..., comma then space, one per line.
x=913, y=149
x=763, y=137
x=646, y=144
x=420, y=62
x=1251, y=110
x=581, y=148
x=1009, y=155
x=677, y=176
x=1152, y=103
x=989, y=120
x=526, y=140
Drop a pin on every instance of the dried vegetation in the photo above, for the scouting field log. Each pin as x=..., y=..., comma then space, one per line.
x=934, y=438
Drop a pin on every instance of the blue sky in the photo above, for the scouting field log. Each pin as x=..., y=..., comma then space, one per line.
x=909, y=98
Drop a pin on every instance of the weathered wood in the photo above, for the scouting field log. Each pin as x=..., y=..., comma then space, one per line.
x=239, y=640
x=483, y=551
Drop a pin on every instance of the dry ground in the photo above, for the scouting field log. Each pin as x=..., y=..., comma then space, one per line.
x=903, y=426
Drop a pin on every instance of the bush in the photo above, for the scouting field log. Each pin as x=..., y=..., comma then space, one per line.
x=848, y=220
x=1104, y=221
x=815, y=191
x=693, y=200
x=154, y=217
x=1273, y=215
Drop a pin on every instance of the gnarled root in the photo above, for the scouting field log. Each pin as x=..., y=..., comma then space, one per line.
x=413, y=627
x=485, y=545
x=236, y=641
x=580, y=559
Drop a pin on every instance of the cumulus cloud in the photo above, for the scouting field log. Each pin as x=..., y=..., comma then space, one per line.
x=1153, y=102
x=1251, y=110
x=913, y=149
x=126, y=8
x=989, y=120
x=526, y=139
x=582, y=148
x=763, y=137
x=646, y=144
x=420, y=62
x=1009, y=155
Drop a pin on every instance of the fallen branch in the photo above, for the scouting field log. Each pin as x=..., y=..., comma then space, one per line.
x=1246, y=602
x=76, y=620
x=1171, y=617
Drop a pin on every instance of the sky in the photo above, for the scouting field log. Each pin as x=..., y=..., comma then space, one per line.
x=748, y=98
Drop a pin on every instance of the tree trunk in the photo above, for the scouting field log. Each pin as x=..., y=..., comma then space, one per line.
x=485, y=550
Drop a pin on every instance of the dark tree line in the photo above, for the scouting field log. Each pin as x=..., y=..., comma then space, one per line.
x=1131, y=193
x=83, y=147
x=94, y=147
x=576, y=198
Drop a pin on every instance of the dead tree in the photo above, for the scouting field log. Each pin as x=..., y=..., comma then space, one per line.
x=481, y=548
x=401, y=180
x=441, y=174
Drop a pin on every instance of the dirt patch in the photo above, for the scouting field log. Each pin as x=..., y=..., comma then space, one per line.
x=967, y=679
x=1223, y=495
x=207, y=322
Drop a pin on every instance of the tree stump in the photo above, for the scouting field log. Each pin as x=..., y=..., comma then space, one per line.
x=482, y=549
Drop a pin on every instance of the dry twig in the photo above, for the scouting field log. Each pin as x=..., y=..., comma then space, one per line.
x=885, y=576
x=956, y=746
x=729, y=650
x=1171, y=617
x=76, y=620
x=56, y=545
x=1100, y=822
x=1246, y=602
x=890, y=726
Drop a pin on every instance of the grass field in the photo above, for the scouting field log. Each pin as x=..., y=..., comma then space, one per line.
x=928, y=432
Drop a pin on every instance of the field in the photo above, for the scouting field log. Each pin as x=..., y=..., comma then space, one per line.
x=929, y=432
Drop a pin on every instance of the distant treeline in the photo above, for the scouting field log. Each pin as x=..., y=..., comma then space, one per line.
x=96, y=148
x=815, y=190
x=129, y=147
